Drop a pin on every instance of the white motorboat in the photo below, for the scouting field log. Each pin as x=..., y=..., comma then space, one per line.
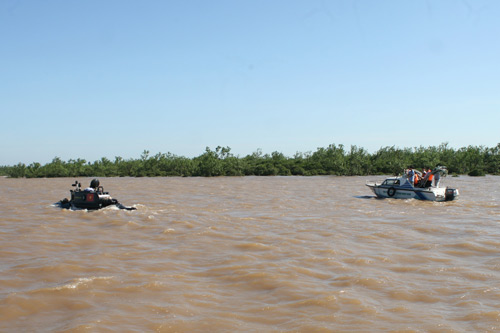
x=401, y=188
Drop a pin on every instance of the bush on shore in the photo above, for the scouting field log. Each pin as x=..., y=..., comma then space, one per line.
x=332, y=160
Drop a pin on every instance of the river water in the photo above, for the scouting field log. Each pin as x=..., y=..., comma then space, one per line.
x=305, y=254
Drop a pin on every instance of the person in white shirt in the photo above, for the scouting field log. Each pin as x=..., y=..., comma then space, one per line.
x=94, y=184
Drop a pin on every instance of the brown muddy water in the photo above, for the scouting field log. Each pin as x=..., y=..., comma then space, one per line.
x=271, y=254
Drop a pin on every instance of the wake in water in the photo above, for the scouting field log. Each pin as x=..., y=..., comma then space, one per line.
x=67, y=205
x=77, y=282
x=365, y=197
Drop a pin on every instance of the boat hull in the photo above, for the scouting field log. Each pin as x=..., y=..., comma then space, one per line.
x=68, y=204
x=399, y=192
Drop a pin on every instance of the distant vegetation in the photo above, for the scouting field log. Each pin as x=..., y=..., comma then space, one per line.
x=332, y=160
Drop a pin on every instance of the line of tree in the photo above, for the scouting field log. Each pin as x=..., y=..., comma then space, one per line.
x=332, y=160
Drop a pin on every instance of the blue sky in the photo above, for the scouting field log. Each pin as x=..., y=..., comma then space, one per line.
x=91, y=79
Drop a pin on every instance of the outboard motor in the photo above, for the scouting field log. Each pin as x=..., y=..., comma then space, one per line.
x=450, y=194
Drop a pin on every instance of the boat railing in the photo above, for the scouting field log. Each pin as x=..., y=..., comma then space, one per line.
x=372, y=183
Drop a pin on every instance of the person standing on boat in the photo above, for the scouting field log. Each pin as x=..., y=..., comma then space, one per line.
x=411, y=175
x=437, y=178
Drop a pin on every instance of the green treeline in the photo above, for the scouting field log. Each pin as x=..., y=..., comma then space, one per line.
x=332, y=160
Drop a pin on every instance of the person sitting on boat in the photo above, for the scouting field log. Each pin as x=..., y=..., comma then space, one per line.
x=94, y=185
x=423, y=179
x=430, y=177
x=417, y=180
x=427, y=180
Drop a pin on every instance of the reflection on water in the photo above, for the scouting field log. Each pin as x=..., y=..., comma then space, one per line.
x=249, y=254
